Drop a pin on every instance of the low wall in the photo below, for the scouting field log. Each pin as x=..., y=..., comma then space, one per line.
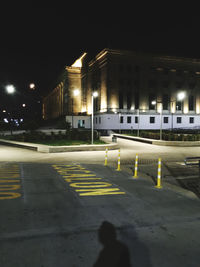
x=158, y=142
x=57, y=149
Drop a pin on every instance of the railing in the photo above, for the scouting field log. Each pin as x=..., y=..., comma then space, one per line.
x=192, y=161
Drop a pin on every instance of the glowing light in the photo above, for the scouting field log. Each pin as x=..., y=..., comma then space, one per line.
x=4, y=111
x=153, y=102
x=76, y=92
x=186, y=110
x=95, y=94
x=23, y=105
x=181, y=96
x=5, y=120
x=10, y=89
x=78, y=62
x=32, y=86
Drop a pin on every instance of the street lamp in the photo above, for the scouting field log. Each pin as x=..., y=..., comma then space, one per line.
x=181, y=96
x=75, y=93
x=94, y=94
x=32, y=86
x=10, y=89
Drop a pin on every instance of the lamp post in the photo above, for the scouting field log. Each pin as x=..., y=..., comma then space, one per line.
x=180, y=96
x=94, y=94
x=75, y=93
x=138, y=116
x=10, y=89
x=161, y=109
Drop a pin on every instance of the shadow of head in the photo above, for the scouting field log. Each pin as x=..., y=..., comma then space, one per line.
x=107, y=233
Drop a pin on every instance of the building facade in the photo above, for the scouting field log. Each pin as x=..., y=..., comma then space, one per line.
x=134, y=91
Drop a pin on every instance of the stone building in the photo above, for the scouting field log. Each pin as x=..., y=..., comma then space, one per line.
x=134, y=90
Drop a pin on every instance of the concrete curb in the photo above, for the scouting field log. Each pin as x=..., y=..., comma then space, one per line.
x=159, y=142
x=57, y=149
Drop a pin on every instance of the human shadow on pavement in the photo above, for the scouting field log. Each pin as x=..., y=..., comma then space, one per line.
x=115, y=253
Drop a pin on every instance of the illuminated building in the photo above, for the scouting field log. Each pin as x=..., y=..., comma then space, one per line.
x=133, y=88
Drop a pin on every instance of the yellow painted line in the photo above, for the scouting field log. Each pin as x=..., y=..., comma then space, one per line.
x=9, y=181
x=90, y=184
x=75, y=178
x=9, y=195
x=9, y=187
x=70, y=175
x=65, y=172
x=10, y=176
x=100, y=192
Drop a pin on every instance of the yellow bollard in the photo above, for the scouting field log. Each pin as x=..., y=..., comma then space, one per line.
x=118, y=165
x=136, y=167
x=106, y=157
x=159, y=175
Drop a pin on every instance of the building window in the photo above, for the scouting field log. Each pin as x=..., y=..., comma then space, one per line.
x=165, y=102
x=179, y=105
x=121, y=119
x=121, y=68
x=191, y=119
x=152, y=98
x=121, y=100
x=166, y=119
x=179, y=84
x=136, y=100
x=178, y=119
x=136, y=119
x=191, y=85
x=129, y=97
x=99, y=119
x=129, y=119
x=152, y=120
x=129, y=68
x=191, y=102
x=165, y=84
x=152, y=84
x=96, y=120
x=81, y=123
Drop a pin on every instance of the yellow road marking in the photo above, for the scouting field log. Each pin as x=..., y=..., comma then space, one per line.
x=16, y=175
x=9, y=187
x=10, y=195
x=100, y=192
x=75, y=178
x=9, y=181
x=90, y=184
x=69, y=175
x=85, y=185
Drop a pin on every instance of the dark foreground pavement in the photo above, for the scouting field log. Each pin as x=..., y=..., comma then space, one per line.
x=51, y=213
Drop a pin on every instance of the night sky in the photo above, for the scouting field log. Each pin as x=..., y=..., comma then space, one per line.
x=38, y=40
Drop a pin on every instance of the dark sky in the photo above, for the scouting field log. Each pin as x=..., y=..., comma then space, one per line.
x=38, y=40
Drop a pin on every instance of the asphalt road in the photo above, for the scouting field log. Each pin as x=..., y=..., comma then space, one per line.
x=52, y=207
